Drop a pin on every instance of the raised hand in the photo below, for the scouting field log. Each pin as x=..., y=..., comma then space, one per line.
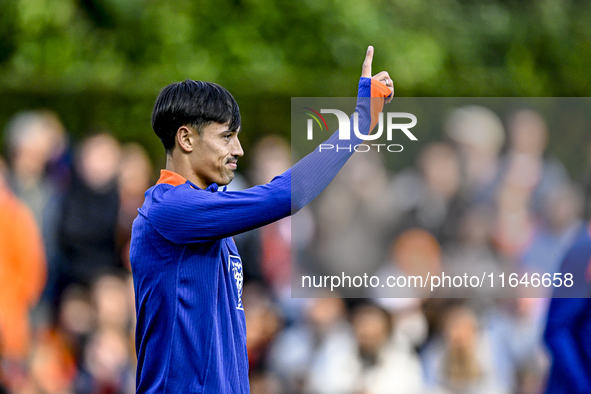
x=382, y=76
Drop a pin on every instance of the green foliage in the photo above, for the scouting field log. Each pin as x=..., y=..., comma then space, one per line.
x=104, y=61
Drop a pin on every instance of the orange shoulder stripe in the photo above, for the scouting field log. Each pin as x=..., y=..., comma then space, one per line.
x=172, y=178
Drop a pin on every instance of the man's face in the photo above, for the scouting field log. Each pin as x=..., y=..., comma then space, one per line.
x=215, y=154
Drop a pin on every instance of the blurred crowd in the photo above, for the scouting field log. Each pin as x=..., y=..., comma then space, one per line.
x=487, y=196
x=66, y=296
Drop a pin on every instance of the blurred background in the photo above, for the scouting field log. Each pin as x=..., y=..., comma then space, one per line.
x=78, y=79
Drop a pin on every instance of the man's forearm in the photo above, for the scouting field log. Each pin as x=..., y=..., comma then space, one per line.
x=313, y=173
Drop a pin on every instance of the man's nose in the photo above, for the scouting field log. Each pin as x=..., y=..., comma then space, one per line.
x=237, y=148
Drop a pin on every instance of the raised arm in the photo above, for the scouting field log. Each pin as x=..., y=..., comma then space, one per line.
x=313, y=173
x=183, y=214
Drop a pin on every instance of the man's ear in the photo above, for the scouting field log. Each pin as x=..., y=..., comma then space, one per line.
x=184, y=138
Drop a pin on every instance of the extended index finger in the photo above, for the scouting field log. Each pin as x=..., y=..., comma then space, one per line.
x=366, y=69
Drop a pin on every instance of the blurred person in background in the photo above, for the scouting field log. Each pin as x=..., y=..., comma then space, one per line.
x=428, y=196
x=310, y=355
x=107, y=365
x=563, y=209
x=415, y=252
x=383, y=364
x=479, y=135
x=22, y=278
x=471, y=251
x=40, y=167
x=134, y=178
x=33, y=138
x=90, y=209
x=462, y=359
x=527, y=177
x=516, y=326
x=111, y=298
x=264, y=323
x=52, y=365
x=527, y=163
x=360, y=356
x=76, y=320
x=96, y=326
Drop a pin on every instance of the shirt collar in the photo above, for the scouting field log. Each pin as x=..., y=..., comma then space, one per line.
x=171, y=178
x=212, y=188
x=174, y=179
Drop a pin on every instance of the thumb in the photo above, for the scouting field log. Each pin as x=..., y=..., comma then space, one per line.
x=366, y=69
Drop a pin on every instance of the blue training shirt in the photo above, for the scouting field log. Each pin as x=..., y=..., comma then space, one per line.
x=187, y=273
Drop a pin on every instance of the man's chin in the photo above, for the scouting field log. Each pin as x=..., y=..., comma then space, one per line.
x=226, y=181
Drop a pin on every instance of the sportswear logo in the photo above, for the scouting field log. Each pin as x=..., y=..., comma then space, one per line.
x=236, y=269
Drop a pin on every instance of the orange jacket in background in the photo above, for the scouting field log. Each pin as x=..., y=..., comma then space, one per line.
x=22, y=273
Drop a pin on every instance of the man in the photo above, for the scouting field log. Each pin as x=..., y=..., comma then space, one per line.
x=191, y=332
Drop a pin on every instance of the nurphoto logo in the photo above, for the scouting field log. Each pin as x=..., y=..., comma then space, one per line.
x=392, y=125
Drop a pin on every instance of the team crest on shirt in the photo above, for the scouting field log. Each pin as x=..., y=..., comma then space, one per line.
x=236, y=270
